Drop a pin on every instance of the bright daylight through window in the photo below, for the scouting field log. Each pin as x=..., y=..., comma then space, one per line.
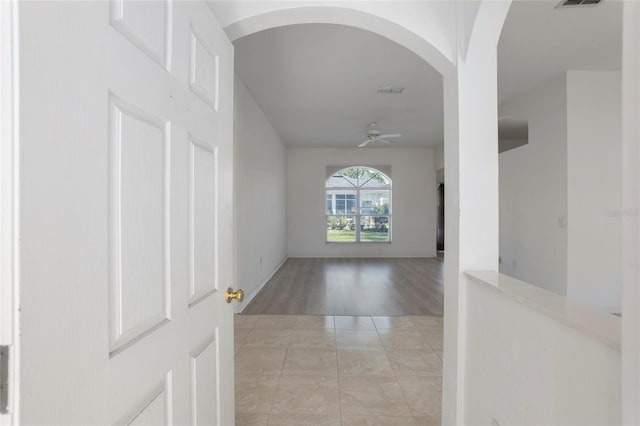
x=358, y=206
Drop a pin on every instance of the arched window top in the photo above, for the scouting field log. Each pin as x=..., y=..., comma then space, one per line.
x=359, y=177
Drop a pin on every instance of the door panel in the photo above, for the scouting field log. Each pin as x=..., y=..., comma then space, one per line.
x=154, y=409
x=204, y=385
x=204, y=68
x=139, y=178
x=127, y=239
x=147, y=24
x=202, y=230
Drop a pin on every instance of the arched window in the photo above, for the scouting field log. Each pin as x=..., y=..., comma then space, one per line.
x=358, y=206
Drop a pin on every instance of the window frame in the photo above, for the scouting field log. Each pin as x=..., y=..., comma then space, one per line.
x=358, y=215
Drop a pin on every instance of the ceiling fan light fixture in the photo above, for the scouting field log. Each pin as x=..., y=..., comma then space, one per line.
x=375, y=135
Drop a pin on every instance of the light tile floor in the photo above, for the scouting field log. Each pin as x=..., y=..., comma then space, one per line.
x=338, y=371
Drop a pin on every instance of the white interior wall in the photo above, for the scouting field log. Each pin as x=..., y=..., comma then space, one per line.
x=439, y=156
x=533, y=190
x=560, y=195
x=594, y=204
x=530, y=366
x=631, y=205
x=9, y=329
x=260, y=182
x=414, y=202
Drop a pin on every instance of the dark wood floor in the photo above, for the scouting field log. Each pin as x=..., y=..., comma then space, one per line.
x=353, y=286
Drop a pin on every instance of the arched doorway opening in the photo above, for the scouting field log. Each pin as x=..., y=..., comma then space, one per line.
x=461, y=46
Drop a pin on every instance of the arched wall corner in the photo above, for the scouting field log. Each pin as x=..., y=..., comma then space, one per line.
x=395, y=31
x=483, y=31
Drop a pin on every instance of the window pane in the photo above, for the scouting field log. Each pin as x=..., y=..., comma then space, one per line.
x=359, y=177
x=374, y=229
x=345, y=202
x=341, y=229
x=375, y=202
x=339, y=181
x=375, y=180
x=358, y=204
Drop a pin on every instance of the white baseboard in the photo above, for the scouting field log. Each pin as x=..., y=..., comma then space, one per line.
x=253, y=294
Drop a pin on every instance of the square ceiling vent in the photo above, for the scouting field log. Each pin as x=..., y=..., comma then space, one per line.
x=574, y=3
x=387, y=90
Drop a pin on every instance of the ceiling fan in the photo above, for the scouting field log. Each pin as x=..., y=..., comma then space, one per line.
x=374, y=135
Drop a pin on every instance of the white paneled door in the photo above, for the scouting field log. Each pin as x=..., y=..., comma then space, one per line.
x=126, y=166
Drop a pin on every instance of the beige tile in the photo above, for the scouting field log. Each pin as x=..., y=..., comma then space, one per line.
x=352, y=362
x=239, y=334
x=265, y=361
x=244, y=321
x=254, y=393
x=318, y=362
x=378, y=421
x=270, y=338
x=303, y=420
x=371, y=396
x=358, y=339
x=415, y=363
x=389, y=323
x=354, y=323
x=314, y=322
x=403, y=339
x=434, y=337
x=428, y=321
x=319, y=339
x=316, y=395
x=275, y=321
x=245, y=419
x=434, y=420
x=423, y=394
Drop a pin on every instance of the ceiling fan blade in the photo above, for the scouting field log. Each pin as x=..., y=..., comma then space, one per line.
x=391, y=136
x=365, y=143
x=383, y=140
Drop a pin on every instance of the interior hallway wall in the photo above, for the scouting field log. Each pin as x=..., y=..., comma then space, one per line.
x=439, y=161
x=560, y=195
x=533, y=190
x=594, y=170
x=414, y=201
x=260, y=194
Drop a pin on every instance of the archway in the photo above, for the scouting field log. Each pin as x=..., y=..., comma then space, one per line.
x=428, y=36
x=459, y=40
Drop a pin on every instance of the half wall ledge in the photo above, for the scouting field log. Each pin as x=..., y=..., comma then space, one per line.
x=599, y=325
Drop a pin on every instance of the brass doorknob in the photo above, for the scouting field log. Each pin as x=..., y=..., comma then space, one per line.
x=229, y=295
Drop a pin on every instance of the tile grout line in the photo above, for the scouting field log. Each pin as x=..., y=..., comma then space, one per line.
x=284, y=362
x=335, y=336
x=386, y=352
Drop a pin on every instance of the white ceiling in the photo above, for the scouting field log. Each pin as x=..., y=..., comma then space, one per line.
x=317, y=83
x=539, y=42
